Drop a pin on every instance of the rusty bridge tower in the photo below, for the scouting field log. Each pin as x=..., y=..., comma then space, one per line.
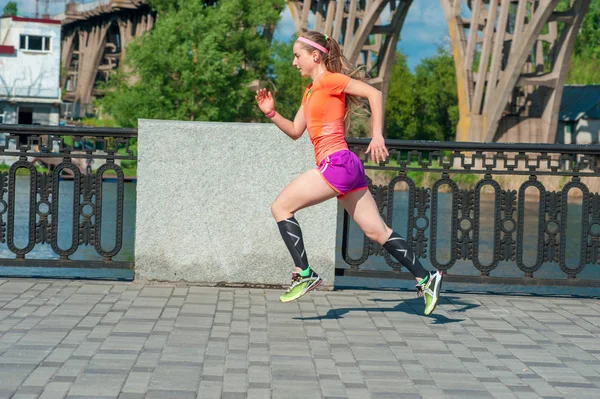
x=511, y=59
x=94, y=41
x=511, y=56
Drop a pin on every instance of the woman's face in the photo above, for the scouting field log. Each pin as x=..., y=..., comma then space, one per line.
x=303, y=59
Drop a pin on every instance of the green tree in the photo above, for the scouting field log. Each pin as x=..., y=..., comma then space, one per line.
x=285, y=82
x=588, y=38
x=423, y=105
x=583, y=66
x=400, y=121
x=197, y=63
x=10, y=8
x=436, y=104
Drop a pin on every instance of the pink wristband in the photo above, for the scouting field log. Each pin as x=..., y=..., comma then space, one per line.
x=271, y=114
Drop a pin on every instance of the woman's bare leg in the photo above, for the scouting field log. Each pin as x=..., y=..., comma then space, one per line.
x=361, y=206
x=307, y=189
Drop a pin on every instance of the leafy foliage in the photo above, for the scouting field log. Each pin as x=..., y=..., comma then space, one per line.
x=10, y=8
x=285, y=82
x=400, y=102
x=423, y=105
x=584, y=65
x=197, y=63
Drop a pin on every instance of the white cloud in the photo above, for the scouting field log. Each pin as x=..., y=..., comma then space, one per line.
x=415, y=13
x=434, y=16
x=285, y=28
x=424, y=36
x=425, y=23
x=426, y=12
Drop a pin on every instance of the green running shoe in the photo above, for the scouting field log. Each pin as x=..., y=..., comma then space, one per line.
x=430, y=291
x=300, y=286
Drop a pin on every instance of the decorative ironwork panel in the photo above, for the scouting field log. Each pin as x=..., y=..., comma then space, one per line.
x=533, y=182
x=454, y=229
x=43, y=230
x=3, y=204
x=87, y=232
x=593, y=233
x=572, y=272
x=65, y=253
x=504, y=210
x=552, y=226
x=52, y=158
x=108, y=254
x=21, y=164
x=465, y=208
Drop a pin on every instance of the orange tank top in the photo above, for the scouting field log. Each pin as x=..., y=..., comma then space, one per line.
x=324, y=103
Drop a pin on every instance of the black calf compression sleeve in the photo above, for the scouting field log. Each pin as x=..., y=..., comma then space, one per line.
x=292, y=236
x=399, y=249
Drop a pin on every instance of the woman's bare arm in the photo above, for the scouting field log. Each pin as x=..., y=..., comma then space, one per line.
x=376, y=148
x=294, y=129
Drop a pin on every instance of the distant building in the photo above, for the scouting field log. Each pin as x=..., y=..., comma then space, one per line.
x=29, y=70
x=579, y=115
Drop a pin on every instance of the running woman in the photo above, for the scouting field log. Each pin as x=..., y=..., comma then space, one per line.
x=324, y=112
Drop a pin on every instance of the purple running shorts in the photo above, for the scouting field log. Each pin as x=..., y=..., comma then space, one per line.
x=344, y=172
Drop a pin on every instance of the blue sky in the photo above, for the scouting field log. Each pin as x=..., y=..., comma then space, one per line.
x=424, y=28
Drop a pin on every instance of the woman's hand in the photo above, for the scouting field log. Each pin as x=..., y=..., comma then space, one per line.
x=264, y=99
x=377, y=149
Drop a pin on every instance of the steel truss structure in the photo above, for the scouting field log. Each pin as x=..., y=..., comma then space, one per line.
x=511, y=59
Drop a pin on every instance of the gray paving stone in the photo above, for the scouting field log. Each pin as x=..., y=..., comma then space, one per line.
x=40, y=376
x=172, y=394
x=162, y=341
x=55, y=390
x=127, y=395
x=7, y=393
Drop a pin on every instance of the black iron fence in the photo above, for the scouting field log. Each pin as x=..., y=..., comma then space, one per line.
x=51, y=195
x=538, y=204
x=488, y=206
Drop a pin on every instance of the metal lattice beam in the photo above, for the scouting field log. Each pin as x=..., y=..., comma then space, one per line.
x=87, y=52
x=367, y=30
x=511, y=60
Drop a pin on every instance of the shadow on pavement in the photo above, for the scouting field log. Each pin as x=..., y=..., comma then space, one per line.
x=410, y=306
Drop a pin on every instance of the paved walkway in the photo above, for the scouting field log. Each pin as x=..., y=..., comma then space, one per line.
x=79, y=339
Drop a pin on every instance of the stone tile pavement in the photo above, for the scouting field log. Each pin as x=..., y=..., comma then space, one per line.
x=76, y=339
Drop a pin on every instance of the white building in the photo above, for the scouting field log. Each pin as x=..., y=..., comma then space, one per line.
x=29, y=70
x=579, y=116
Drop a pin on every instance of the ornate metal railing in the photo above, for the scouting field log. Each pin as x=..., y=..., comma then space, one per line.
x=59, y=174
x=525, y=192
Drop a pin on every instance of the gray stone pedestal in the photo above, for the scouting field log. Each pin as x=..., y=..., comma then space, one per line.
x=204, y=193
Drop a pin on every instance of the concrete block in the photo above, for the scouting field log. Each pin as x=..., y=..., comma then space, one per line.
x=204, y=193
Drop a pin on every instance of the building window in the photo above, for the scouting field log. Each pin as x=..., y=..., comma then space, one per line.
x=35, y=43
